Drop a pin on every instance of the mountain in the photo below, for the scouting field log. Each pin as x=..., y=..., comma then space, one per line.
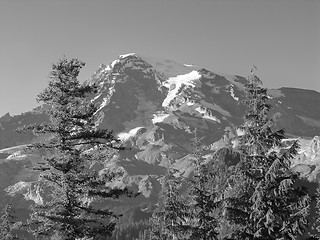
x=8, y=125
x=154, y=105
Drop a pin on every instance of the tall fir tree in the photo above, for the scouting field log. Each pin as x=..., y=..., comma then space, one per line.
x=168, y=220
x=264, y=202
x=8, y=224
x=204, y=204
x=74, y=140
x=316, y=224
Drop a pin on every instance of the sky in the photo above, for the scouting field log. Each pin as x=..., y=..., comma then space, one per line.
x=280, y=37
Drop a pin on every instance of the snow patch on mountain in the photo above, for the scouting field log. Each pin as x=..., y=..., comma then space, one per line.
x=206, y=114
x=311, y=150
x=108, y=68
x=127, y=55
x=114, y=63
x=159, y=117
x=17, y=156
x=190, y=103
x=232, y=93
x=103, y=104
x=13, y=150
x=33, y=194
x=96, y=97
x=124, y=136
x=188, y=65
x=175, y=83
x=18, y=187
x=105, y=69
x=30, y=191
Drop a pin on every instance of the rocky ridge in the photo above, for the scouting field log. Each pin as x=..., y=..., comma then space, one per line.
x=154, y=106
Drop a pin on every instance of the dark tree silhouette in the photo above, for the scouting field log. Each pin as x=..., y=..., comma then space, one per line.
x=8, y=224
x=168, y=220
x=70, y=188
x=263, y=201
x=203, y=198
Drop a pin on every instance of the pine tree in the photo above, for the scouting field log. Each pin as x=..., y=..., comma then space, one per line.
x=144, y=235
x=70, y=188
x=8, y=224
x=168, y=220
x=264, y=202
x=204, y=204
x=316, y=224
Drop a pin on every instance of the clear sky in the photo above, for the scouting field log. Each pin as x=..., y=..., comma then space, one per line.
x=280, y=37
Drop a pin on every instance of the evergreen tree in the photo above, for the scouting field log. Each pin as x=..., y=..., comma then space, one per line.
x=8, y=224
x=264, y=202
x=144, y=235
x=168, y=220
x=69, y=186
x=203, y=203
x=131, y=230
x=316, y=225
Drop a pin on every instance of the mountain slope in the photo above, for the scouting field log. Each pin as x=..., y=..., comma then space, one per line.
x=154, y=106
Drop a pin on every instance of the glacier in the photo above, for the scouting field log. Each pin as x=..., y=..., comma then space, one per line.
x=175, y=83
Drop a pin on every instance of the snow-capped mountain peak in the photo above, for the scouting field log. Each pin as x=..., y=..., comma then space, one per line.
x=154, y=106
x=127, y=55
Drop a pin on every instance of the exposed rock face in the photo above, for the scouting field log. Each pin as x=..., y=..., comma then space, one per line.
x=154, y=106
x=8, y=125
x=308, y=160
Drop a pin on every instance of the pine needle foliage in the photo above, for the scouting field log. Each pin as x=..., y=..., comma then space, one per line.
x=264, y=202
x=316, y=225
x=8, y=224
x=168, y=220
x=69, y=187
x=203, y=206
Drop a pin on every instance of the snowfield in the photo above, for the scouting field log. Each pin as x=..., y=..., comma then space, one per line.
x=232, y=94
x=159, y=117
x=175, y=83
x=124, y=136
x=127, y=55
x=204, y=113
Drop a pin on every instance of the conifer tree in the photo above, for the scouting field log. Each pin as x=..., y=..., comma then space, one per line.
x=264, y=202
x=8, y=224
x=144, y=235
x=316, y=224
x=70, y=189
x=203, y=199
x=168, y=220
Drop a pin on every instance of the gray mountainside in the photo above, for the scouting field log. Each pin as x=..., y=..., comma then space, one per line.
x=154, y=106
